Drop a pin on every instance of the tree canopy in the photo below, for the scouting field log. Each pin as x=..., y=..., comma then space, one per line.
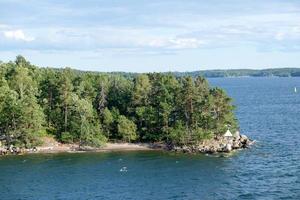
x=90, y=108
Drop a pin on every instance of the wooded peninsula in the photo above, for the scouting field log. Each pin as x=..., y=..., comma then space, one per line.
x=90, y=109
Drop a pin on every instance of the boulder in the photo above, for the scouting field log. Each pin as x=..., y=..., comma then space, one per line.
x=243, y=138
x=222, y=145
x=175, y=148
x=237, y=135
x=3, y=151
x=11, y=149
x=228, y=148
x=86, y=148
x=236, y=144
x=248, y=143
x=202, y=149
x=186, y=149
x=216, y=144
x=213, y=149
x=245, y=141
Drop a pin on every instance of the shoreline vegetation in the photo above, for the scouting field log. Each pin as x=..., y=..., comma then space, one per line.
x=217, y=73
x=231, y=73
x=213, y=145
x=89, y=109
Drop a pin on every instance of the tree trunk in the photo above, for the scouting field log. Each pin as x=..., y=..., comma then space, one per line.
x=66, y=117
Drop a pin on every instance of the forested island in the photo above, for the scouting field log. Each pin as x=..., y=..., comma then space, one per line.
x=275, y=72
x=91, y=109
x=227, y=73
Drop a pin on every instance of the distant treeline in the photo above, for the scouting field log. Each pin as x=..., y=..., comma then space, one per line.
x=90, y=108
x=278, y=72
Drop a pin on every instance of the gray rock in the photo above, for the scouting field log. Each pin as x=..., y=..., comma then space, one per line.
x=237, y=135
x=236, y=144
x=217, y=144
x=228, y=148
x=3, y=151
x=243, y=138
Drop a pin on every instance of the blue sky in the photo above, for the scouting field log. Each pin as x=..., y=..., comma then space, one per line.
x=156, y=35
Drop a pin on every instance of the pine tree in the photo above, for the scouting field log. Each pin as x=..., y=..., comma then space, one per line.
x=140, y=101
x=9, y=113
x=126, y=129
x=90, y=132
x=66, y=91
x=31, y=120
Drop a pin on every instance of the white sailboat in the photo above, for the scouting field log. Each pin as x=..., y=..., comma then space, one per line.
x=295, y=90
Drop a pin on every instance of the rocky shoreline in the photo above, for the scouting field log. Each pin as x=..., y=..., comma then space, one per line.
x=218, y=144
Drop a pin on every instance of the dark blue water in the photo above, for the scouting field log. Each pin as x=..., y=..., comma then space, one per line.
x=268, y=111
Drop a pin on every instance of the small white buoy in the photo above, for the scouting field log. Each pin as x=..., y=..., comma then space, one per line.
x=123, y=169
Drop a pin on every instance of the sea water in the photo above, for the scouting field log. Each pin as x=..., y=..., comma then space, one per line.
x=268, y=110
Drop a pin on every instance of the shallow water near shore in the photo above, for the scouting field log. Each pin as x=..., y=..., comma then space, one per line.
x=268, y=110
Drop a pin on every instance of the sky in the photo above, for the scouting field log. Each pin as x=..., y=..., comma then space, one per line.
x=156, y=35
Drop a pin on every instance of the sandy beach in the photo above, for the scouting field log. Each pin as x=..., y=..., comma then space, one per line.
x=72, y=148
x=52, y=146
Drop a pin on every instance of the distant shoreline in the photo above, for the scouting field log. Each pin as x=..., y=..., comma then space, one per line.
x=233, y=73
x=213, y=73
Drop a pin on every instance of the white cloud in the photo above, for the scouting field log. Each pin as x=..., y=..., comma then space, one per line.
x=17, y=35
x=176, y=43
x=2, y=26
x=279, y=36
x=186, y=43
x=157, y=43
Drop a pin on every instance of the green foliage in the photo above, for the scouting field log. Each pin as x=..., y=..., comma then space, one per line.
x=119, y=94
x=90, y=108
x=67, y=137
x=199, y=134
x=279, y=72
x=22, y=117
x=65, y=95
x=178, y=134
x=89, y=131
x=9, y=112
x=107, y=122
x=126, y=129
x=94, y=140
x=222, y=112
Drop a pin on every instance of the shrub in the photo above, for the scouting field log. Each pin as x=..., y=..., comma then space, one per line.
x=126, y=129
x=66, y=137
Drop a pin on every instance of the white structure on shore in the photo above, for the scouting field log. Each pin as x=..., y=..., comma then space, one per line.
x=228, y=134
